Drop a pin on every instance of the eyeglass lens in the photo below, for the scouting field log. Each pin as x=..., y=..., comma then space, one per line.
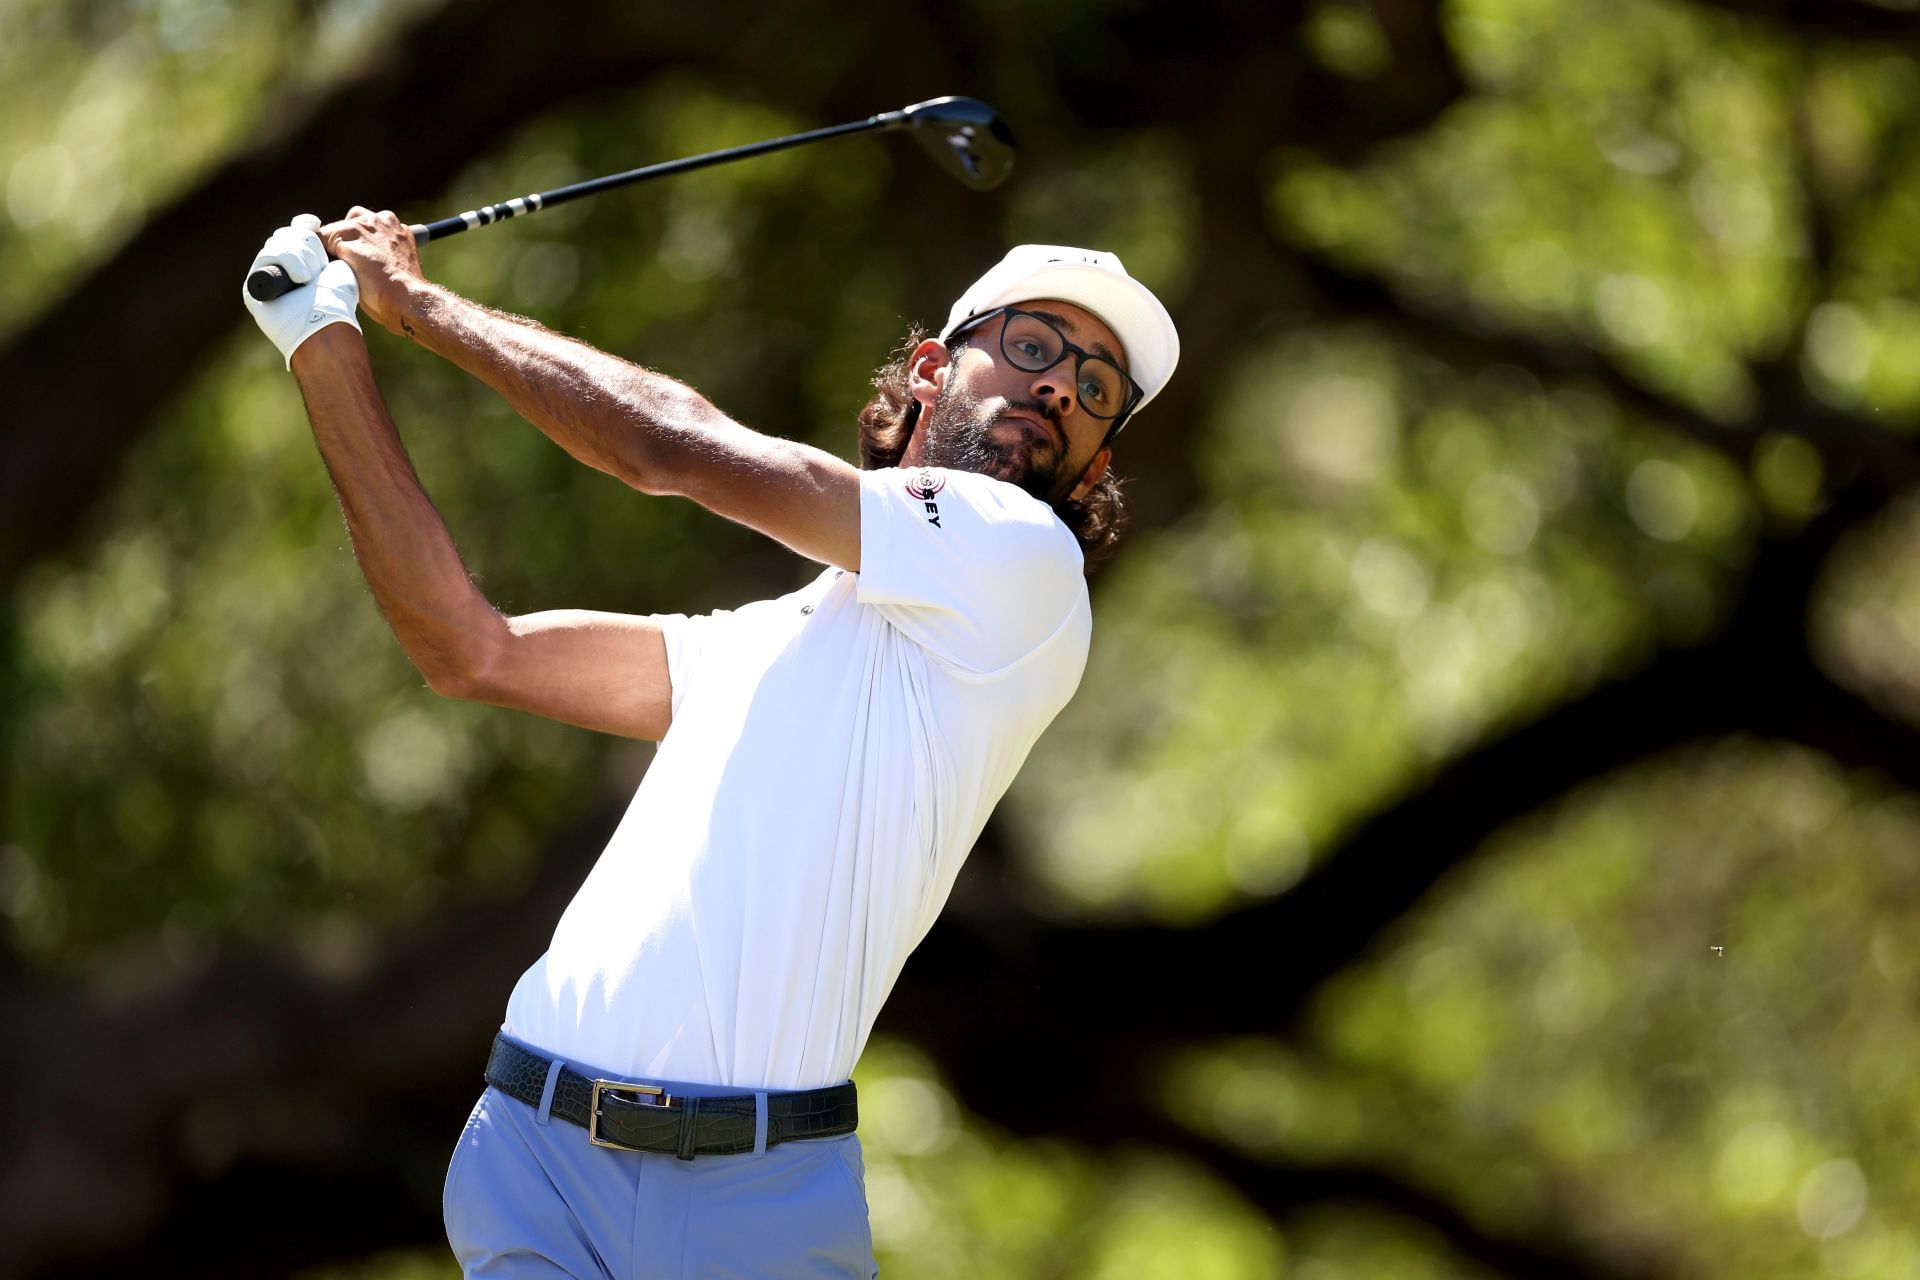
x=1032, y=344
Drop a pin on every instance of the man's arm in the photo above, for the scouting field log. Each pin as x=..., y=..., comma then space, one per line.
x=646, y=429
x=598, y=670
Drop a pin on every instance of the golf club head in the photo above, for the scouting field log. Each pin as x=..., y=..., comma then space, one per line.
x=966, y=137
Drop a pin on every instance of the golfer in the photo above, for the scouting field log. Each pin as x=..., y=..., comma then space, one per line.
x=669, y=1094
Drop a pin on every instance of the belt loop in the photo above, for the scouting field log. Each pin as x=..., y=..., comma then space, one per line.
x=687, y=1127
x=546, y=1094
x=760, y=1124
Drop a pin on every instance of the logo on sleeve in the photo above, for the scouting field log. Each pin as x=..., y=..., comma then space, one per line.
x=925, y=483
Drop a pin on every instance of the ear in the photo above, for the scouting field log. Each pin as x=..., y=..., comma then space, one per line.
x=1095, y=472
x=927, y=370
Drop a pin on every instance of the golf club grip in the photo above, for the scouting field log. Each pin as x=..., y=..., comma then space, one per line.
x=270, y=282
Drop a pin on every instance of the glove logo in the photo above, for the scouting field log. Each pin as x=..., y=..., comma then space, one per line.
x=925, y=483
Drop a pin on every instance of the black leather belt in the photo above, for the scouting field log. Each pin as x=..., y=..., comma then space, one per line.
x=638, y=1117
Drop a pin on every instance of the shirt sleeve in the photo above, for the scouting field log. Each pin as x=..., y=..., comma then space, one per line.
x=688, y=640
x=973, y=569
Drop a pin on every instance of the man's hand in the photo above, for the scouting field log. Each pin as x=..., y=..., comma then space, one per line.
x=326, y=295
x=380, y=250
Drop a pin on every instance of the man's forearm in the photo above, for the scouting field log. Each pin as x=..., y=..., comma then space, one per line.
x=645, y=429
x=632, y=423
x=440, y=618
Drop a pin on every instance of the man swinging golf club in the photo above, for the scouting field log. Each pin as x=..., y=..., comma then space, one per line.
x=826, y=759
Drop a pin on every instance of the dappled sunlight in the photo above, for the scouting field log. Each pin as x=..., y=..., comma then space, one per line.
x=1636, y=185
x=952, y=1197
x=112, y=109
x=1445, y=552
x=1866, y=628
x=1539, y=355
x=1632, y=993
x=1656, y=987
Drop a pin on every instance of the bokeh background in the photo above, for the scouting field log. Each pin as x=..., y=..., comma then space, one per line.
x=1485, y=842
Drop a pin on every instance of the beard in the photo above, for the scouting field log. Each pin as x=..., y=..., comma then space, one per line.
x=962, y=436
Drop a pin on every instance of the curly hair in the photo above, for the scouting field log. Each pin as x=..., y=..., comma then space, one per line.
x=1098, y=521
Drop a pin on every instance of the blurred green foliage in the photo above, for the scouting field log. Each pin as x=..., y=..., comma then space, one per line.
x=115, y=105
x=1673, y=1011
x=1635, y=1017
x=1392, y=560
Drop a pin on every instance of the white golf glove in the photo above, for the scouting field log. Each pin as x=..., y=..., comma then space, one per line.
x=328, y=293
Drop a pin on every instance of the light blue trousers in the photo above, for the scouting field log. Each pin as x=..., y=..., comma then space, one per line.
x=528, y=1196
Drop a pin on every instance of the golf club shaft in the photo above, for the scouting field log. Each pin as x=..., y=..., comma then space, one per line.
x=270, y=282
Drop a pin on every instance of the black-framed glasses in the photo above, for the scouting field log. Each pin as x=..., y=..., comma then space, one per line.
x=1033, y=344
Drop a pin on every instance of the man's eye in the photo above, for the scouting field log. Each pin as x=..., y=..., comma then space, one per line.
x=1093, y=393
x=1027, y=347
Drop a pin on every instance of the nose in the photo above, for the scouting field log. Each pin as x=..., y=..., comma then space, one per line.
x=1054, y=386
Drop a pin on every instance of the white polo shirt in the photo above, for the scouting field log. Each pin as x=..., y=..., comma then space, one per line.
x=833, y=756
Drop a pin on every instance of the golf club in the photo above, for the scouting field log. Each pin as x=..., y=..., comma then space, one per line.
x=965, y=136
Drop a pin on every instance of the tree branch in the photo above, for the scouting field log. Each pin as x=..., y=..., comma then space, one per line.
x=262, y=1063
x=341, y=148
x=155, y=1112
x=151, y=1097
x=1849, y=20
x=1135, y=991
x=1284, y=1188
x=1853, y=449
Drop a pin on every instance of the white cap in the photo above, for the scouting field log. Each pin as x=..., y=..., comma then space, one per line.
x=1089, y=279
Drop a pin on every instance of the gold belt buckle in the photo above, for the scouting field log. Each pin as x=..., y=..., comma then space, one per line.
x=616, y=1086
